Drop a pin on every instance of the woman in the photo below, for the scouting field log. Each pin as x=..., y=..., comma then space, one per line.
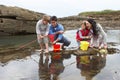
x=98, y=35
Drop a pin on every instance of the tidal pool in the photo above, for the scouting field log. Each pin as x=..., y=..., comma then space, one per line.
x=33, y=65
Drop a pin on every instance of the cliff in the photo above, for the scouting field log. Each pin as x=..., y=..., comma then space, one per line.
x=15, y=20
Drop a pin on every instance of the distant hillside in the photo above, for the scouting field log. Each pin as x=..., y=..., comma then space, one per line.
x=109, y=19
x=106, y=14
x=15, y=20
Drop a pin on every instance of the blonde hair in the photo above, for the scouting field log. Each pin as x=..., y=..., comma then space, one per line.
x=46, y=18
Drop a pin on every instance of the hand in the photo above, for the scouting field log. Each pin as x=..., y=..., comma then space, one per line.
x=41, y=37
x=91, y=46
x=100, y=47
x=45, y=35
x=87, y=37
x=54, y=42
x=105, y=47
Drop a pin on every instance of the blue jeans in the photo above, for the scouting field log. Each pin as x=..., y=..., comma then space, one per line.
x=64, y=40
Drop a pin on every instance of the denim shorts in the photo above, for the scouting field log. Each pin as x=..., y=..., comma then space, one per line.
x=43, y=40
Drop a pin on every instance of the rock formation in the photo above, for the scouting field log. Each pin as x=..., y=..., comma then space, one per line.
x=17, y=21
x=14, y=20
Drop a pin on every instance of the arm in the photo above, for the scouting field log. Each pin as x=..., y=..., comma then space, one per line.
x=59, y=33
x=61, y=30
x=47, y=30
x=80, y=34
x=38, y=32
x=59, y=38
x=37, y=28
x=104, y=35
x=83, y=37
x=90, y=34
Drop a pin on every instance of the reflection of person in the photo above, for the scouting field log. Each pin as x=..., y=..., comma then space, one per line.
x=58, y=30
x=99, y=36
x=42, y=30
x=82, y=34
x=90, y=65
x=44, y=68
x=56, y=67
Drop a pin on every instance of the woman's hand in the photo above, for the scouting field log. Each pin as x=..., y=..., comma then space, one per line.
x=105, y=47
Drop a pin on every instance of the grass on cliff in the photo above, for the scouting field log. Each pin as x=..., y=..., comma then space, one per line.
x=104, y=12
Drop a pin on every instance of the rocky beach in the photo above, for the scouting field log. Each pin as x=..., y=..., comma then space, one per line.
x=21, y=58
x=19, y=21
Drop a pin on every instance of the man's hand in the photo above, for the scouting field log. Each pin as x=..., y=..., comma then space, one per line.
x=54, y=42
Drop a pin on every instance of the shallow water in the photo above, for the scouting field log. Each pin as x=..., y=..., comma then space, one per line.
x=7, y=41
x=35, y=66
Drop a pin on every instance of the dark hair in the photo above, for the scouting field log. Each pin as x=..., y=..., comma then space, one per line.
x=53, y=18
x=93, y=23
x=84, y=23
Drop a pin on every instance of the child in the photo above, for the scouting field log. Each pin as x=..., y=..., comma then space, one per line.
x=82, y=34
x=42, y=30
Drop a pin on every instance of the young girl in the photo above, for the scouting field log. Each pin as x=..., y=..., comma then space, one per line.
x=82, y=34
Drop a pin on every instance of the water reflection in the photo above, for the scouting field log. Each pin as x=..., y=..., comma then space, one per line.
x=60, y=65
x=90, y=66
x=44, y=67
x=56, y=67
x=51, y=69
x=7, y=57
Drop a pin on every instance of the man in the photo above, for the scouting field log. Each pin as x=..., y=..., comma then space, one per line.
x=42, y=30
x=58, y=30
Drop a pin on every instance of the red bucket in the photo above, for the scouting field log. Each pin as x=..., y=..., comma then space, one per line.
x=56, y=56
x=51, y=37
x=56, y=47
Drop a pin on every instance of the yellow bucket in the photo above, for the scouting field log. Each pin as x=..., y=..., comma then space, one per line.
x=84, y=45
x=84, y=59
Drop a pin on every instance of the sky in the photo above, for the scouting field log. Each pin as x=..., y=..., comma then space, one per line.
x=63, y=8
